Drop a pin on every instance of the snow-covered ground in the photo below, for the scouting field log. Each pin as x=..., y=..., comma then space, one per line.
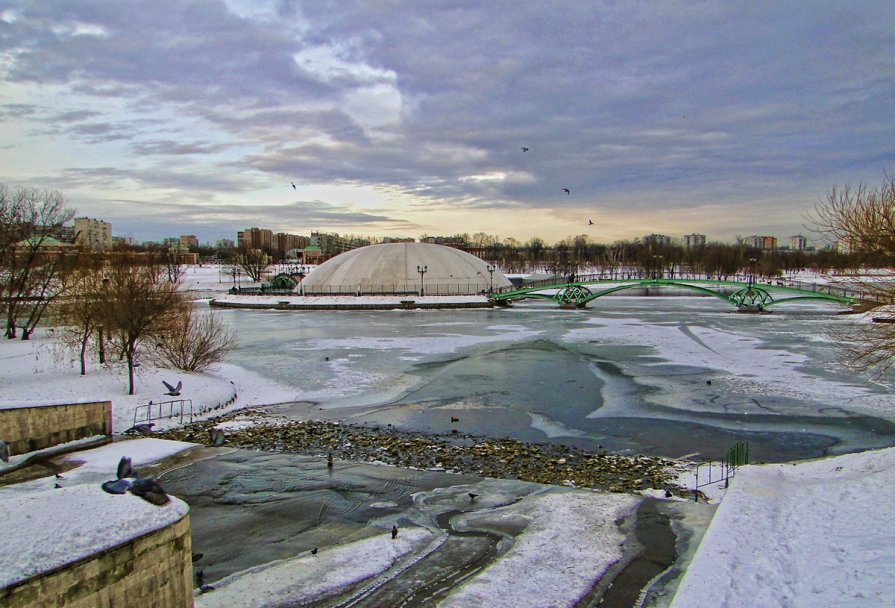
x=819, y=533
x=45, y=526
x=808, y=534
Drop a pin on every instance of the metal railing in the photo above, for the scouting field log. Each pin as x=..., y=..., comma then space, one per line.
x=165, y=409
x=722, y=470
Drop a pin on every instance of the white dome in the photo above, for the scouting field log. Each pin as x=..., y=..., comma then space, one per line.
x=393, y=268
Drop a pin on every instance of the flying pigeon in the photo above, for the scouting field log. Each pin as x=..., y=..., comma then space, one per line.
x=590, y=222
x=172, y=390
x=566, y=190
x=293, y=186
x=125, y=468
x=525, y=149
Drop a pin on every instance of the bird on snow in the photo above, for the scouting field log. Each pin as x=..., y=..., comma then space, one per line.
x=525, y=149
x=566, y=190
x=144, y=428
x=314, y=551
x=150, y=491
x=174, y=391
x=394, y=531
x=454, y=419
x=472, y=496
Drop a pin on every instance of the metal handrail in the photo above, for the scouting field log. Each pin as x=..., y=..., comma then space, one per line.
x=180, y=405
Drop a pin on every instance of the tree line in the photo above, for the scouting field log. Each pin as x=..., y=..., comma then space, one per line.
x=119, y=307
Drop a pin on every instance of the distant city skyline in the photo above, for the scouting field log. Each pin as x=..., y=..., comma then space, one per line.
x=410, y=118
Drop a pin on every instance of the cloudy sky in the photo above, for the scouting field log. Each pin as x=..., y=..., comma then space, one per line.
x=409, y=118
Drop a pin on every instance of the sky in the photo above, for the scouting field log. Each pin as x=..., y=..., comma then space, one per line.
x=404, y=119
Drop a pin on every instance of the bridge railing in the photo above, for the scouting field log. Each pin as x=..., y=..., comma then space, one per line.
x=182, y=408
x=609, y=277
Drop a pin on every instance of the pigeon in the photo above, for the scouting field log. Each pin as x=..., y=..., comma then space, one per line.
x=125, y=468
x=150, y=491
x=472, y=496
x=58, y=476
x=57, y=486
x=566, y=190
x=293, y=186
x=197, y=557
x=117, y=486
x=590, y=222
x=525, y=149
x=174, y=391
x=314, y=551
x=394, y=532
x=217, y=437
x=454, y=419
x=329, y=460
x=4, y=451
x=144, y=428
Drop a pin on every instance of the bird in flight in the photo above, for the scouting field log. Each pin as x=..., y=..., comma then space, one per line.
x=293, y=186
x=525, y=149
x=590, y=222
x=173, y=390
x=566, y=190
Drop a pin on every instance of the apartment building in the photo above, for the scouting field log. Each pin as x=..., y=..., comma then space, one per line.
x=94, y=234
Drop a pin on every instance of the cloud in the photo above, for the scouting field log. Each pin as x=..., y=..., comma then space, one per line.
x=632, y=106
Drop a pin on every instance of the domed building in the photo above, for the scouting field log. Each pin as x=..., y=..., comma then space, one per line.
x=404, y=268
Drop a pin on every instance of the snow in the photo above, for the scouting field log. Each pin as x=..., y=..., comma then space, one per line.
x=570, y=539
x=45, y=527
x=818, y=533
x=806, y=534
x=307, y=577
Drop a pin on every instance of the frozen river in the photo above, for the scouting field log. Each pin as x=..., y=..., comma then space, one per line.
x=667, y=376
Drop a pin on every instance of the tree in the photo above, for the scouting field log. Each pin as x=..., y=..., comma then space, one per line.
x=194, y=341
x=138, y=305
x=862, y=219
x=253, y=262
x=82, y=310
x=32, y=271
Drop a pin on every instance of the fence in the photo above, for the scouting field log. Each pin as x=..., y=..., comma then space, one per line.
x=165, y=409
x=726, y=468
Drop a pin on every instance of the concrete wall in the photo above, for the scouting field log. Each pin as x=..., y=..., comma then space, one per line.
x=27, y=429
x=153, y=571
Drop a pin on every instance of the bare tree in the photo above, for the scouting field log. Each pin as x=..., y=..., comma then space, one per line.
x=862, y=219
x=82, y=309
x=194, y=341
x=253, y=262
x=30, y=269
x=138, y=305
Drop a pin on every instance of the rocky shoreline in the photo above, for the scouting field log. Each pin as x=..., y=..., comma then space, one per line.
x=461, y=453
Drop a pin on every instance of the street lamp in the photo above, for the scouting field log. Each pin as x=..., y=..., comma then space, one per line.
x=657, y=266
x=422, y=270
x=752, y=262
x=491, y=269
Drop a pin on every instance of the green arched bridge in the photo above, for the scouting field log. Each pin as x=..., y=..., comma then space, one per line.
x=745, y=295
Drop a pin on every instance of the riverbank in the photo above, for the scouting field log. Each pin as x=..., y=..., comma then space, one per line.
x=500, y=458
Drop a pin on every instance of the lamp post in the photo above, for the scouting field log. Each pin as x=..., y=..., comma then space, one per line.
x=422, y=270
x=490, y=269
x=752, y=262
x=657, y=264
